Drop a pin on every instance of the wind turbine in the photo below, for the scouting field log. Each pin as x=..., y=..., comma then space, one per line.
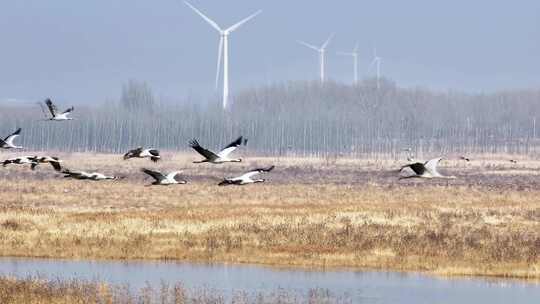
x=322, y=51
x=354, y=55
x=223, y=49
x=377, y=62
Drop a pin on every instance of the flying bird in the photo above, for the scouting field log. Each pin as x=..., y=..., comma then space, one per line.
x=153, y=154
x=513, y=161
x=465, y=158
x=52, y=160
x=246, y=178
x=425, y=170
x=55, y=114
x=162, y=179
x=7, y=143
x=222, y=156
x=82, y=175
x=21, y=160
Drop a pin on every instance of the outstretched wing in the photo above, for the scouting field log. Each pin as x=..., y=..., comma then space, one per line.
x=431, y=166
x=172, y=175
x=52, y=108
x=75, y=174
x=158, y=176
x=231, y=147
x=132, y=153
x=56, y=165
x=7, y=162
x=227, y=182
x=69, y=110
x=202, y=151
x=418, y=168
x=256, y=171
x=9, y=140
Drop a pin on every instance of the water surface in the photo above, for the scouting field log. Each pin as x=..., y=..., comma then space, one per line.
x=360, y=286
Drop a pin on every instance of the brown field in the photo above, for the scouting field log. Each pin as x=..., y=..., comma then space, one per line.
x=311, y=213
x=41, y=291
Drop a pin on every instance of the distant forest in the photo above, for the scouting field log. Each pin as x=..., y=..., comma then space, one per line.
x=297, y=118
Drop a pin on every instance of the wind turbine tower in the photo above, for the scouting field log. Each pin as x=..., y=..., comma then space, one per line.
x=223, y=49
x=377, y=63
x=354, y=55
x=322, y=52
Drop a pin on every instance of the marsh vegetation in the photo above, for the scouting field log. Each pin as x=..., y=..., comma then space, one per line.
x=311, y=213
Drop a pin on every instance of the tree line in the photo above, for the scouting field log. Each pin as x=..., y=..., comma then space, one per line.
x=300, y=118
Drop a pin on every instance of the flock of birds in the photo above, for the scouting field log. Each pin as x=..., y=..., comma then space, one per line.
x=420, y=169
x=223, y=156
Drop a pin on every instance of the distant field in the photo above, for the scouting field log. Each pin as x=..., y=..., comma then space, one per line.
x=311, y=213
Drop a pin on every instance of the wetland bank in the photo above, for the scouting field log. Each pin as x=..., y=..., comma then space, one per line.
x=311, y=213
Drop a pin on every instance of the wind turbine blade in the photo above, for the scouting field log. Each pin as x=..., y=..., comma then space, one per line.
x=356, y=48
x=237, y=25
x=220, y=53
x=210, y=21
x=325, y=44
x=311, y=46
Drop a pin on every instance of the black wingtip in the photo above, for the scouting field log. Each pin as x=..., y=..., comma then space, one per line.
x=239, y=141
x=194, y=143
x=224, y=183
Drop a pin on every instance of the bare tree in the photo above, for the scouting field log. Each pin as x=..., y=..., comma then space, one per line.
x=301, y=118
x=137, y=96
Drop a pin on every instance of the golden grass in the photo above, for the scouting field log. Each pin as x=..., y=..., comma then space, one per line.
x=41, y=291
x=309, y=214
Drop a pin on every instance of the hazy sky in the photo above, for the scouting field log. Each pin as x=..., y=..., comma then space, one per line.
x=82, y=51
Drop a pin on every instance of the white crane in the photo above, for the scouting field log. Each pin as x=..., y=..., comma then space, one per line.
x=82, y=175
x=151, y=153
x=246, y=178
x=223, y=49
x=220, y=157
x=7, y=143
x=322, y=54
x=425, y=170
x=55, y=114
x=21, y=160
x=55, y=162
x=164, y=180
x=377, y=63
x=354, y=55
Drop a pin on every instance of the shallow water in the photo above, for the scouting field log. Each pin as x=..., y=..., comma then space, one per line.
x=360, y=286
